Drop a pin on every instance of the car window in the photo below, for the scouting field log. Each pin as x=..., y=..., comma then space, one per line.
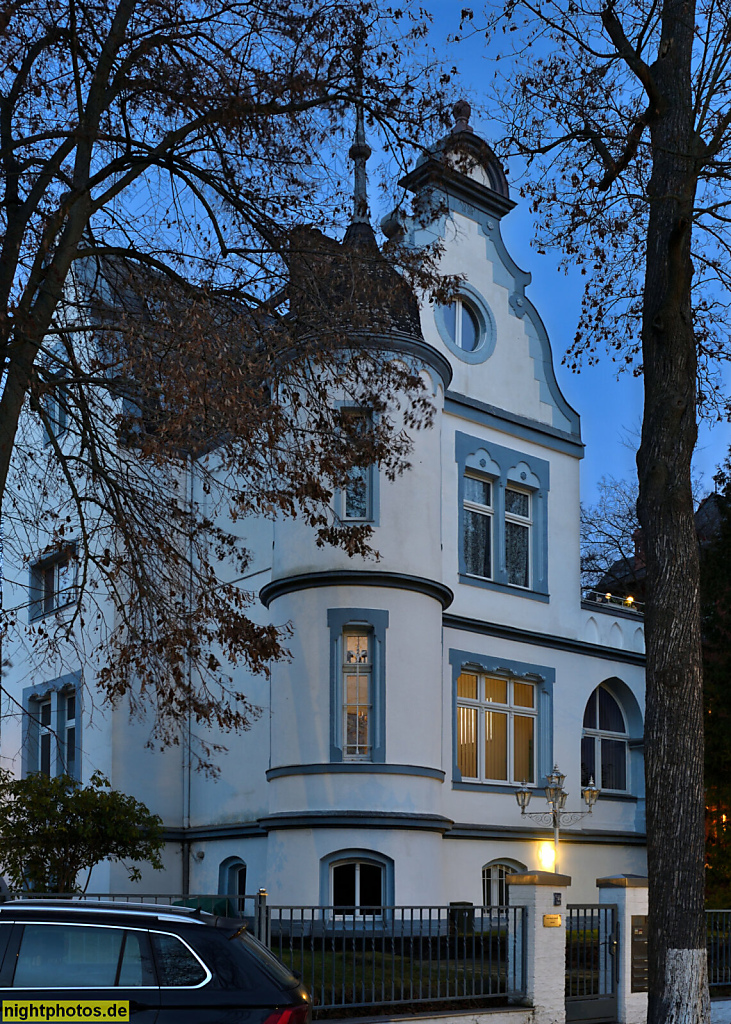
x=135, y=969
x=177, y=964
x=80, y=956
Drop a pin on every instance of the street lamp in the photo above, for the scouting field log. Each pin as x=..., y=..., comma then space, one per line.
x=556, y=795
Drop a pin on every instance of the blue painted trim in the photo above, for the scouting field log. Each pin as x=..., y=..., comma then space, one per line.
x=377, y=622
x=488, y=330
x=416, y=352
x=30, y=729
x=226, y=875
x=542, y=675
x=35, y=582
x=503, y=588
x=594, y=837
x=458, y=193
x=355, y=578
x=357, y=819
x=355, y=768
x=556, y=643
x=356, y=853
x=504, y=466
x=240, y=830
x=485, y=787
x=510, y=423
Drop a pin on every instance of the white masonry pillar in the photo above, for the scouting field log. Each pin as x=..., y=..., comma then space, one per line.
x=629, y=892
x=544, y=895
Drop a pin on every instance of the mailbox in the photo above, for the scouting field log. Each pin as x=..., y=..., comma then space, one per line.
x=639, y=953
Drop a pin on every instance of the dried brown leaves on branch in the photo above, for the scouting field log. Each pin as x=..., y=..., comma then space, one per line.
x=172, y=337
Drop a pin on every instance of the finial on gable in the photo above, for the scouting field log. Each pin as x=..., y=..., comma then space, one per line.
x=461, y=112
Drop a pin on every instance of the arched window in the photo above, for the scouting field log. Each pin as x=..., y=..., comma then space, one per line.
x=358, y=887
x=494, y=885
x=357, y=883
x=232, y=882
x=604, y=742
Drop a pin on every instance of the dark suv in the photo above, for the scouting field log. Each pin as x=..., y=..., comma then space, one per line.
x=173, y=965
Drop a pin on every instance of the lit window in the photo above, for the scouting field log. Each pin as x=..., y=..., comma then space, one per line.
x=462, y=324
x=604, y=745
x=477, y=526
x=52, y=583
x=357, y=695
x=496, y=728
x=357, y=888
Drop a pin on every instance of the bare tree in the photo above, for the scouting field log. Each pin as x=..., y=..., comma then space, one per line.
x=172, y=334
x=608, y=532
x=624, y=105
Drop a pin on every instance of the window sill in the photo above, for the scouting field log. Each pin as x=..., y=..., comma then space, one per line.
x=489, y=787
x=622, y=797
x=40, y=616
x=503, y=588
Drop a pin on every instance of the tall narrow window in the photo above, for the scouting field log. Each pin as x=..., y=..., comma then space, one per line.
x=517, y=537
x=604, y=746
x=357, y=694
x=478, y=526
x=52, y=583
x=44, y=737
x=496, y=726
x=69, y=740
x=358, y=490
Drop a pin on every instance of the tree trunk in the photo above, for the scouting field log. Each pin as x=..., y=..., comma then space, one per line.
x=678, y=985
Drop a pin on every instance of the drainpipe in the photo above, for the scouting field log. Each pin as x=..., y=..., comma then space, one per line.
x=187, y=737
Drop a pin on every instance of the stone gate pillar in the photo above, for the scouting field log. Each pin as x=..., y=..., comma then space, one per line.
x=544, y=895
x=629, y=892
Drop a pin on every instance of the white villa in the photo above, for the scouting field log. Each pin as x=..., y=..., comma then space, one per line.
x=424, y=687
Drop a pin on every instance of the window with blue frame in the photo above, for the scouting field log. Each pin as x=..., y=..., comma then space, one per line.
x=357, y=684
x=52, y=728
x=358, y=498
x=503, y=523
x=52, y=582
x=502, y=721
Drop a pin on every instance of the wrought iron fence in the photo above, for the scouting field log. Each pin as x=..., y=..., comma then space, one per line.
x=380, y=957
x=391, y=955
x=718, y=944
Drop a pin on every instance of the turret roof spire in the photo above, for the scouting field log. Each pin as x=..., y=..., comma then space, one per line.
x=360, y=230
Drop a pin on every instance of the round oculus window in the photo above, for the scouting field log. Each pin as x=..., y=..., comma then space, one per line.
x=462, y=324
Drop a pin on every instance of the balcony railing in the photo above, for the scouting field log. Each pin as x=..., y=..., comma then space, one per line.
x=627, y=604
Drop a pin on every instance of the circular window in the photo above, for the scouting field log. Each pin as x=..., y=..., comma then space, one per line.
x=466, y=326
x=463, y=326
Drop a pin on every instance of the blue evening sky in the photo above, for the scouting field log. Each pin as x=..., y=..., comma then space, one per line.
x=610, y=406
